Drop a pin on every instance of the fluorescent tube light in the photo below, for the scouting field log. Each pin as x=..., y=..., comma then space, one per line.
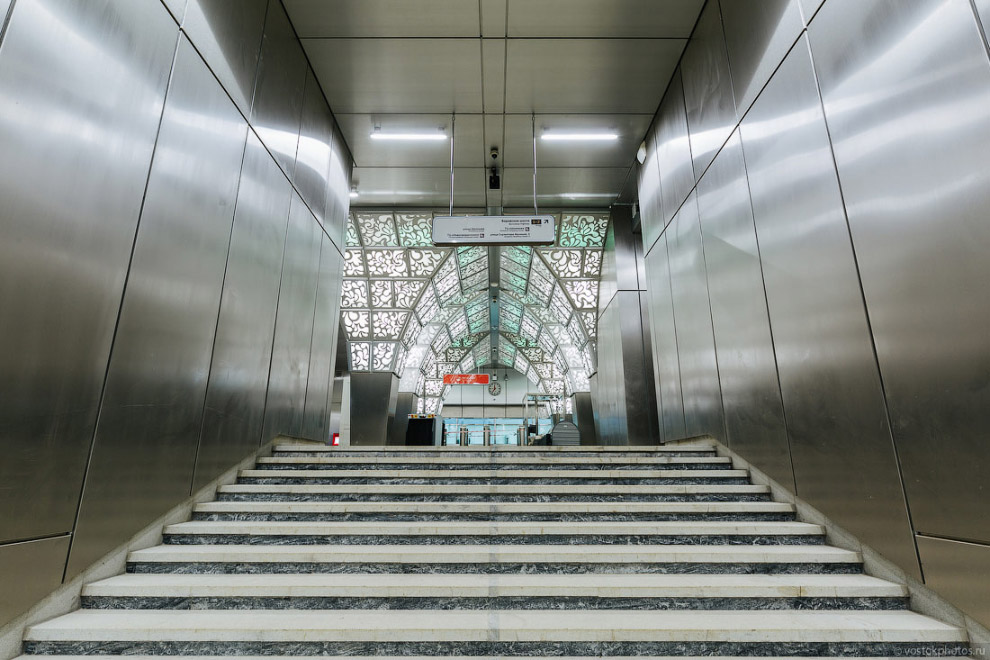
x=378, y=135
x=580, y=137
x=355, y=194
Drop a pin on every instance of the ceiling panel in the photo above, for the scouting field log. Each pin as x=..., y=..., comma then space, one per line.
x=418, y=186
x=577, y=76
x=493, y=63
x=594, y=18
x=384, y=18
x=617, y=153
x=468, y=140
x=493, y=18
x=398, y=75
x=563, y=186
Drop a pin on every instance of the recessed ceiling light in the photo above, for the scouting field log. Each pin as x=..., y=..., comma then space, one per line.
x=432, y=135
x=580, y=137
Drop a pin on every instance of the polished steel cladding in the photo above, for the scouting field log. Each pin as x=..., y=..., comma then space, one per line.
x=754, y=416
x=152, y=406
x=929, y=190
x=624, y=399
x=820, y=330
x=142, y=234
x=242, y=351
x=828, y=272
x=65, y=246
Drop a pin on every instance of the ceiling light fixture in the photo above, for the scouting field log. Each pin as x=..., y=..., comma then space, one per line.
x=354, y=192
x=433, y=135
x=579, y=137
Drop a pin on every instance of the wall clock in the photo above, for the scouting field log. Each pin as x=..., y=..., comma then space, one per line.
x=495, y=388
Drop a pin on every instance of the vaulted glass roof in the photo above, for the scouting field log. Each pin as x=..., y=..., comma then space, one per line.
x=423, y=312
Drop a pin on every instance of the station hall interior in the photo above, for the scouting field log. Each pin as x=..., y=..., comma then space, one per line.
x=736, y=404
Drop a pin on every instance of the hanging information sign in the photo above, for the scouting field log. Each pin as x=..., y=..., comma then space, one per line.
x=451, y=230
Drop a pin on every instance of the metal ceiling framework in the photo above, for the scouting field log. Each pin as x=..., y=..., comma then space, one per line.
x=422, y=312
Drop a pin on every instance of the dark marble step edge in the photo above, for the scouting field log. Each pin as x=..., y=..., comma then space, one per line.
x=564, y=481
x=494, y=466
x=482, y=497
x=489, y=603
x=493, y=648
x=550, y=567
x=492, y=517
x=494, y=539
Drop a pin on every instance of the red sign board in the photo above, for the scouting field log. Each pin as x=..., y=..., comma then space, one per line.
x=466, y=379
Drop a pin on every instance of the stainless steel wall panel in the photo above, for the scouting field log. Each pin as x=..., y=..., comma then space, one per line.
x=906, y=87
x=405, y=404
x=374, y=397
x=323, y=352
x=711, y=114
x=983, y=13
x=666, y=368
x=609, y=276
x=151, y=415
x=831, y=390
x=177, y=8
x=959, y=571
x=626, y=242
x=313, y=154
x=758, y=34
x=4, y=7
x=82, y=87
x=674, y=149
x=584, y=415
x=754, y=415
x=808, y=9
x=235, y=397
x=643, y=405
x=338, y=190
x=294, y=323
x=28, y=572
x=228, y=33
x=700, y=389
x=278, y=93
x=650, y=200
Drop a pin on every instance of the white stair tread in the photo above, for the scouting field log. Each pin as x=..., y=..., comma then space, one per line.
x=484, y=474
x=500, y=625
x=486, y=528
x=501, y=489
x=507, y=554
x=475, y=585
x=498, y=507
x=496, y=459
x=500, y=449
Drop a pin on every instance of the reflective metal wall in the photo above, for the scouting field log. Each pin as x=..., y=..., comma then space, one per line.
x=827, y=272
x=623, y=396
x=146, y=190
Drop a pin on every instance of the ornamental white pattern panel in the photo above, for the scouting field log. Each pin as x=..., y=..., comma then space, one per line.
x=547, y=307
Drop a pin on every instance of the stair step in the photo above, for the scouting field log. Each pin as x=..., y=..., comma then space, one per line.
x=532, y=558
x=492, y=463
x=473, y=632
x=512, y=511
x=494, y=492
x=576, y=476
x=449, y=591
x=651, y=450
x=440, y=532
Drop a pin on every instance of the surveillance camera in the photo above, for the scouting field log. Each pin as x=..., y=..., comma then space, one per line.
x=494, y=153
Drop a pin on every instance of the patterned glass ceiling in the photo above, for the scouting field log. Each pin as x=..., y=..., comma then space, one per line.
x=423, y=312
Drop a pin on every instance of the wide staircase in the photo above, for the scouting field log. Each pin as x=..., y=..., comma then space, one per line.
x=573, y=551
